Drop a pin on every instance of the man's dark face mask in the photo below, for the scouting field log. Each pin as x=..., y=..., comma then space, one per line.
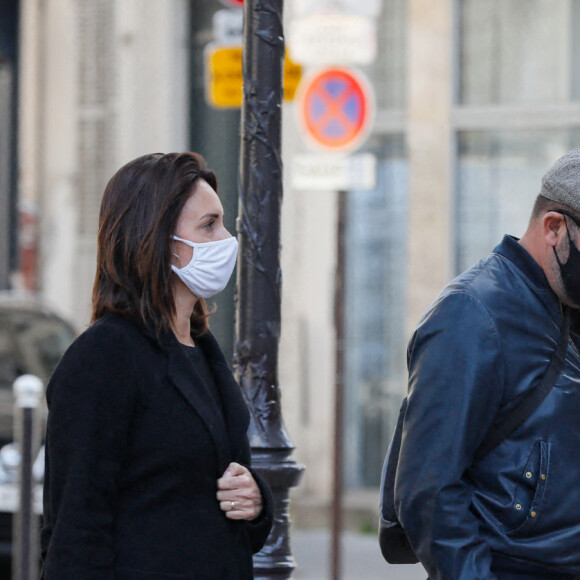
x=570, y=270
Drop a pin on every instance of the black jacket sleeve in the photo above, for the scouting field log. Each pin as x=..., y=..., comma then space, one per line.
x=90, y=398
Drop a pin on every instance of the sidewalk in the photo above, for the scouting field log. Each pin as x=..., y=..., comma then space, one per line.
x=361, y=558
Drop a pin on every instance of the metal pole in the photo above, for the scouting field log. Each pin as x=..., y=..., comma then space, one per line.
x=259, y=276
x=27, y=392
x=6, y=118
x=336, y=531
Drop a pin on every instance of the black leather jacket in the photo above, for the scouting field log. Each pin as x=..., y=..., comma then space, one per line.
x=485, y=341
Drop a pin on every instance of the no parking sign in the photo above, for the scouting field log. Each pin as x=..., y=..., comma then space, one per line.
x=336, y=108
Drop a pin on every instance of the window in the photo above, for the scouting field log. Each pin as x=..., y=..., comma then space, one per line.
x=498, y=178
x=519, y=51
x=374, y=269
x=375, y=372
x=517, y=112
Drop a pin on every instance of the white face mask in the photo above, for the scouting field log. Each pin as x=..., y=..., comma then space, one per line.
x=210, y=268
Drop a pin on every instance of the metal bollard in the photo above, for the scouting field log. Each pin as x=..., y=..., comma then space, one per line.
x=28, y=391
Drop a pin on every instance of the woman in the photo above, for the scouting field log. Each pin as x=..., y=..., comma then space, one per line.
x=147, y=458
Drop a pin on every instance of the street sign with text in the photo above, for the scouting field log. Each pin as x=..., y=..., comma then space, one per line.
x=333, y=38
x=228, y=26
x=366, y=7
x=334, y=172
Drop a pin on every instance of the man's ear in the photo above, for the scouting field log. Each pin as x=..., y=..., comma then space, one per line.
x=553, y=227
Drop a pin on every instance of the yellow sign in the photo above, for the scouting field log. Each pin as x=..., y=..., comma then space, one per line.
x=224, y=77
x=292, y=76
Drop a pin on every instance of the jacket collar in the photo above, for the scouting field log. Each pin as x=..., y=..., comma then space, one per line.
x=235, y=405
x=197, y=393
x=514, y=252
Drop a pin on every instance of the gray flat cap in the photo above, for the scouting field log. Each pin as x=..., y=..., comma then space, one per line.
x=561, y=183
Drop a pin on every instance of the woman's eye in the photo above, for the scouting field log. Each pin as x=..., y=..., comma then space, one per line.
x=209, y=224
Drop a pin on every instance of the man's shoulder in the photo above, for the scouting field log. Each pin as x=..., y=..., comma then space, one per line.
x=473, y=282
x=493, y=288
x=492, y=281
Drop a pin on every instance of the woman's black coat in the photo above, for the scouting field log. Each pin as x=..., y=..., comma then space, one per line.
x=135, y=444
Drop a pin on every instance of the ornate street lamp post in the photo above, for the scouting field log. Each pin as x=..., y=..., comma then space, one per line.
x=259, y=276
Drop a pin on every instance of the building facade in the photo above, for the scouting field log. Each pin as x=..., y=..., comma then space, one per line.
x=474, y=100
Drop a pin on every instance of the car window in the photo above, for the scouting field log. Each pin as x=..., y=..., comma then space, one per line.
x=10, y=369
x=31, y=342
x=40, y=341
x=10, y=361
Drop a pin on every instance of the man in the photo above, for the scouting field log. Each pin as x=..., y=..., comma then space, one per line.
x=485, y=341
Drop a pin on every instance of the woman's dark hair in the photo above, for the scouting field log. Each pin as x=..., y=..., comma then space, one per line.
x=139, y=212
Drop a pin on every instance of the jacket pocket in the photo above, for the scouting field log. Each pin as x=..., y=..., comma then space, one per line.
x=529, y=492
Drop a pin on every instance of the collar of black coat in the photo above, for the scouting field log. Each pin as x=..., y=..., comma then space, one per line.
x=167, y=339
x=180, y=371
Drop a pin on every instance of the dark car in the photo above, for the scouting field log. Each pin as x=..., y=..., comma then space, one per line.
x=32, y=341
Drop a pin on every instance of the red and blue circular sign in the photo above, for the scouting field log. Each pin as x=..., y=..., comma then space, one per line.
x=336, y=108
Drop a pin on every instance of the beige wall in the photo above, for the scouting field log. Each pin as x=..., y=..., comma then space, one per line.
x=307, y=346
x=429, y=152
x=47, y=144
x=102, y=82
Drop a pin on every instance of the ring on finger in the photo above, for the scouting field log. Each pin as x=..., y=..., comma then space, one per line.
x=232, y=505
